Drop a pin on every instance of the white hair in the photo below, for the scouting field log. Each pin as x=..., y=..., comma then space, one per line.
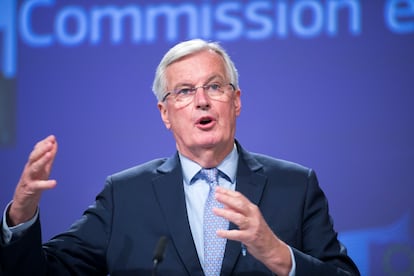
x=184, y=49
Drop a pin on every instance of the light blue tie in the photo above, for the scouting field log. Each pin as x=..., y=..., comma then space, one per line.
x=213, y=245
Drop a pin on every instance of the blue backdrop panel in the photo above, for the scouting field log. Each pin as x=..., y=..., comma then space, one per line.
x=328, y=84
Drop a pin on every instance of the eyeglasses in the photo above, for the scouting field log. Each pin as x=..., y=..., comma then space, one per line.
x=215, y=91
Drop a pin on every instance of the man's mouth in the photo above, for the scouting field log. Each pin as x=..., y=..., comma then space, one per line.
x=204, y=121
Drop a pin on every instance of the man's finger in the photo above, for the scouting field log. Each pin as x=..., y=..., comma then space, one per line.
x=233, y=200
x=46, y=145
x=41, y=159
x=238, y=219
x=234, y=234
x=45, y=184
x=39, y=168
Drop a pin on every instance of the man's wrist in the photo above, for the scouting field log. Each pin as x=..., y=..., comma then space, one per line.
x=281, y=260
x=9, y=231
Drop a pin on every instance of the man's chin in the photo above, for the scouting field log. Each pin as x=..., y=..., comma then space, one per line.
x=208, y=142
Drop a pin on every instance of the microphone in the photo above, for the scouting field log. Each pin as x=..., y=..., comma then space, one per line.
x=159, y=254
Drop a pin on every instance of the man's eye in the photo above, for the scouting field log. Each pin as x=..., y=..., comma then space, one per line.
x=214, y=87
x=184, y=91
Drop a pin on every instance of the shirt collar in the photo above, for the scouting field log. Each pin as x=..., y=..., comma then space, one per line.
x=228, y=166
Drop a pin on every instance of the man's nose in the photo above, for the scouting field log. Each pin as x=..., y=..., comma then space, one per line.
x=201, y=99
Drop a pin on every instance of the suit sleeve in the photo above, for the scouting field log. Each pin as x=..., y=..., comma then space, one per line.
x=79, y=251
x=321, y=252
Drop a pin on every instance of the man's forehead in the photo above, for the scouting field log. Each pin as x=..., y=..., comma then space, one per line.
x=214, y=62
x=209, y=52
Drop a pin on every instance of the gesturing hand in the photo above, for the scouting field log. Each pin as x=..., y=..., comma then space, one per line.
x=33, y=181
x=253, y=231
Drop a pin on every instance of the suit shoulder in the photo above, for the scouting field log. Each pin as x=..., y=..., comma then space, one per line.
x=283, y=173
x=147, y=169
x=276, y=164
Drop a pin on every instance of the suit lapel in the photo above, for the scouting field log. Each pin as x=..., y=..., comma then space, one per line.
x=168, y=188
x=251, y=183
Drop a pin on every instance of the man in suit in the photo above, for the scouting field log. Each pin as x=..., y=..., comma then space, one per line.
x=274, y=217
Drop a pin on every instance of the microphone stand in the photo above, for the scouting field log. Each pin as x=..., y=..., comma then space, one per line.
x=159, y=254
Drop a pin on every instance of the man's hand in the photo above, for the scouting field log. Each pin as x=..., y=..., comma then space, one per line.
x=33, y=181
x=253, y=231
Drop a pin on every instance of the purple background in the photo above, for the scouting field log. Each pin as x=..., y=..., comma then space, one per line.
x=342, y=105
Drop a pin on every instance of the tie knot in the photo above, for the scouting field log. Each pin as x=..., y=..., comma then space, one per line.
x=211, y=175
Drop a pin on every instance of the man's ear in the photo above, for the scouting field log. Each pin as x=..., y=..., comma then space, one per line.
x=164, y=114
x=237, y=102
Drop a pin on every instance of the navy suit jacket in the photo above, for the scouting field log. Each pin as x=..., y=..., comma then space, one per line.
x=118, y=233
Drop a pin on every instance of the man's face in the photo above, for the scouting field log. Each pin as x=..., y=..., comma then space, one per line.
x=203, y=123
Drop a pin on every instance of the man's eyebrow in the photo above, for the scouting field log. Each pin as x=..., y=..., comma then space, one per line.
x=181, y=84
x=210, y=79
x=214, y=77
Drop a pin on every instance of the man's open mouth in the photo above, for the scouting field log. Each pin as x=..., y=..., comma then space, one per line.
x=205, y=120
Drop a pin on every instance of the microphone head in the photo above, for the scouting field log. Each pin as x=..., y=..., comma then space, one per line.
x=160, y=249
